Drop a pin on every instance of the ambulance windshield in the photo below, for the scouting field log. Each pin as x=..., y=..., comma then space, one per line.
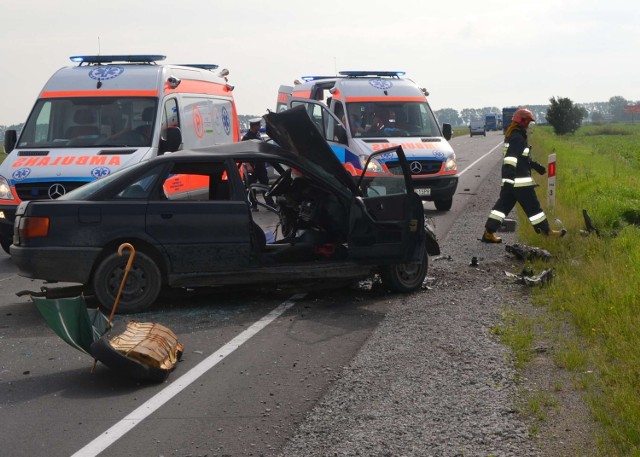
x=391, y=119
x=82, y=122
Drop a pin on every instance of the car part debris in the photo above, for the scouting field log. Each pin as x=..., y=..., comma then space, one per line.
x=144, y=351
x=528, y=279
x=508, y=225
x=589, y=225
x=524, y=252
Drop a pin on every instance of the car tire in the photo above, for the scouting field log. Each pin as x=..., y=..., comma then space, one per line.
x=443, y=205
x=141, y=289
x=405, y=277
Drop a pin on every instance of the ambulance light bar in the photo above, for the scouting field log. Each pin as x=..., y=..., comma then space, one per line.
x=143, y=58
x=355, y=74
x=203, y=66
x=314, y=78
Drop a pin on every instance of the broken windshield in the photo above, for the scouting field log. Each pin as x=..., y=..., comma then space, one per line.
x=391, y=119
x=82, y=122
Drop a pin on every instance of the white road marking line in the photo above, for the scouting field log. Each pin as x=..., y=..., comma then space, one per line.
x=478, y=160
x=8, y=277
x=146, y=409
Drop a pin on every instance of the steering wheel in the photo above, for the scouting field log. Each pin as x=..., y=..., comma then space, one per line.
x=278, y=187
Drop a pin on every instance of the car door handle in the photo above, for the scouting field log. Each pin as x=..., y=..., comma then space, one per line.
x=166, y=215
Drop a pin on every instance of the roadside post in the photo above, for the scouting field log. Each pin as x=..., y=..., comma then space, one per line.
x=551, y=181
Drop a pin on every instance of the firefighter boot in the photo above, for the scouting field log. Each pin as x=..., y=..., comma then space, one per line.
x=557, y=233
x=490, y=237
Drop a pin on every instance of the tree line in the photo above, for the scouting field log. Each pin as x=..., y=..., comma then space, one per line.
x=597, y=112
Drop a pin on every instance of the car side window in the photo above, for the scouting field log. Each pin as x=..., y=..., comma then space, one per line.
x=198, y=182
x=170, y=117
x=141, y=188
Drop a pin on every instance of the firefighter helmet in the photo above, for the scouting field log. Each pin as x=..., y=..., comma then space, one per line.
x=523, y=117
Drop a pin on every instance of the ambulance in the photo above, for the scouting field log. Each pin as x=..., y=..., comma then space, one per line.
x=360, y=112
x=107, y=113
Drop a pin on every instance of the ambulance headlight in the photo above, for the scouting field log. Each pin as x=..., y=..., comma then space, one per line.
x=450, y=164
x=373, y=165
x=5, y=190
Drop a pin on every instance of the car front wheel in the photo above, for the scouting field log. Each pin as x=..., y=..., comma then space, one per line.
x=405, y=277
x=140, y=290
x=444, y=204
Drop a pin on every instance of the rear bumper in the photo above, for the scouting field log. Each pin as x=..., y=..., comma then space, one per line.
x=440, y=187
x=55, y=264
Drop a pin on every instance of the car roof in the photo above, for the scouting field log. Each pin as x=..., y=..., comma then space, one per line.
x=250, y=149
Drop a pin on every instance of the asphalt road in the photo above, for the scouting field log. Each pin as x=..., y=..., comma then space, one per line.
x=254, y=362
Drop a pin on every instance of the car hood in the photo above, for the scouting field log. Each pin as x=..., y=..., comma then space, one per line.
x=294, y=131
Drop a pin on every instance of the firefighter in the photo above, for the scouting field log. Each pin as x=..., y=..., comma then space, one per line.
x=517, y=184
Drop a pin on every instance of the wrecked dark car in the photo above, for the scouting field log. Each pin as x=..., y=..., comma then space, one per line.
x=187, y=215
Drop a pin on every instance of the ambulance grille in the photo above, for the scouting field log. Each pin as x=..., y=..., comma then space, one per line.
x=426, y=167
x=41, y=190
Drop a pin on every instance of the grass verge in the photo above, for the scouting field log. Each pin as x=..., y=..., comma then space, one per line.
x=596, y=283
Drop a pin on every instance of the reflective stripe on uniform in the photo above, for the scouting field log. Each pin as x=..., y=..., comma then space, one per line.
x=537, y=218
x=507, y=181
x=504, y=148
x=510, y=161
x=497, y=215
x=525, y=153
x=524, y=182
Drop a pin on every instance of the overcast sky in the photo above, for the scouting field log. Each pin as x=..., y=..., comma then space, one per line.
x=468, y=54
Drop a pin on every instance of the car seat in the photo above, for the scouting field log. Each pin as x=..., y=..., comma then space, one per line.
x=85, y=120
x=147, y=117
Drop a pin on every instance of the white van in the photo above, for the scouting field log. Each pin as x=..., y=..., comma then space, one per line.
x=106, y=113
x=360, y=112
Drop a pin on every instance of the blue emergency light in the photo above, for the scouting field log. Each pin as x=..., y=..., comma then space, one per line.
x=356, y=74
x=142, y=58
x=203, y=66
x=314, y=78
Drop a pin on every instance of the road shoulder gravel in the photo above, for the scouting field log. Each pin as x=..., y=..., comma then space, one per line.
x=434, y=380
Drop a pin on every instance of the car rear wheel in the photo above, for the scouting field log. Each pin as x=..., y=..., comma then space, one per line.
x=140, y=290
x=443, y=205
x=405, y=277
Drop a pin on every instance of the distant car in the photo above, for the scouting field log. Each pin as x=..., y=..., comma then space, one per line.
x=332, y=228
x=476, y=127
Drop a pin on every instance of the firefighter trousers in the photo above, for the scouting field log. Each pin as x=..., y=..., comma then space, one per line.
x=528, y=200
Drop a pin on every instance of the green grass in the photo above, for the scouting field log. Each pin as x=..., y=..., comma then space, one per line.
x=597, y=279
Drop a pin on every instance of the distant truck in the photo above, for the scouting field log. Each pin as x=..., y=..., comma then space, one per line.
x=491, y=122
x=507, y=115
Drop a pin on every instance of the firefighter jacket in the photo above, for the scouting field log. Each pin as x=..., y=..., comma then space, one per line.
x=517, y=163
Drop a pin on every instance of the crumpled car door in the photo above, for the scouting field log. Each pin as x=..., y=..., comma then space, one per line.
x=387, y=221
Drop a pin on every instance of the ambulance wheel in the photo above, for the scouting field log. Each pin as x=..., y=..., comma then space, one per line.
x=405, y=277
x=5, y=243
x=443, y=205
x=141, y=289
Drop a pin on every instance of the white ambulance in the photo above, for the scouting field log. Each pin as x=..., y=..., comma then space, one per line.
x=360, y=112
x=106, y=113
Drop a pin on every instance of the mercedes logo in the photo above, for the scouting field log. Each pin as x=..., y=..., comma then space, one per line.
x=57, y=190
x=415, y=167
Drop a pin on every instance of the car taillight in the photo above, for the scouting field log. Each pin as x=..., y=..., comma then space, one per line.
x=33, y=227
